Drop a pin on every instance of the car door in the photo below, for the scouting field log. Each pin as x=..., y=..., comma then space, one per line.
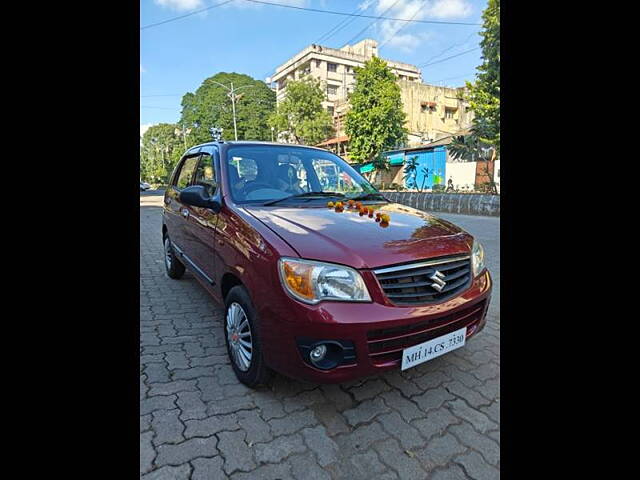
x=176, y=213
x=201, y=223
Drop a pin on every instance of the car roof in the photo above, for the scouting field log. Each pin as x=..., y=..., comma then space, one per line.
x=257, y=142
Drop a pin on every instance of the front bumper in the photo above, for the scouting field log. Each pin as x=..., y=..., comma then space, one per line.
x=379, y=331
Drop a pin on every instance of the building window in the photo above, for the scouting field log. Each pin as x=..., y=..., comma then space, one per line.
x=318, y=62
x=427, y=107
x=330, y=109
x=332, y=90
x=332, y=67
x=449, y=113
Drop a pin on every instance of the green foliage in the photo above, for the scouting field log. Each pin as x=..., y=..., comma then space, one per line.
x=300, y=115
x=470, y=148
x=484, y=94
x=375, y=122
x=160, y=152
x=210, y=106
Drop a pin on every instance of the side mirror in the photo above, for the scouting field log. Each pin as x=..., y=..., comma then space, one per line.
x=196, y=196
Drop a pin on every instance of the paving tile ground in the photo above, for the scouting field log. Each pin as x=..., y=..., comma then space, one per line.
x=437, y=420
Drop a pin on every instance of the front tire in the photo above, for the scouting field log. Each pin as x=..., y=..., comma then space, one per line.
x=175, y=269
x=242, y=337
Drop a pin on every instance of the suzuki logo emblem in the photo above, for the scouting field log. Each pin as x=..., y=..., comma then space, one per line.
x=438, y=282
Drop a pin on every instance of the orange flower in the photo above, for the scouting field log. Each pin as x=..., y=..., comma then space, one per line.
x=385, y=218
x=377, y=219
x=370, y=213
x=361, y=212
x=384, y=224
x=378, y=214
x=330, y=204
x=359, y=205
x=351, y=203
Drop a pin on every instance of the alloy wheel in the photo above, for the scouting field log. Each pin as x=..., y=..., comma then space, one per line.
x=168, y=253
x=239, y=336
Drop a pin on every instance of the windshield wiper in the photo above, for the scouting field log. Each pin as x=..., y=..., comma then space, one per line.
x=369, y=196
x=305, y=194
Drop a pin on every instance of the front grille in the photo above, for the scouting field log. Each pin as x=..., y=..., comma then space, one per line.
x=413, y=284
x=387, y=344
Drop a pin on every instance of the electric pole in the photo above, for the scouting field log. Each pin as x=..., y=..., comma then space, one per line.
x=184, y=132
x=232, y=95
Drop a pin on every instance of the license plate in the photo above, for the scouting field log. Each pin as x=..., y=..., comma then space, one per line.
x=433, y=348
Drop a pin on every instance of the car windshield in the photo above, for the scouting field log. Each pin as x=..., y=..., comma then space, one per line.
x=268, y=173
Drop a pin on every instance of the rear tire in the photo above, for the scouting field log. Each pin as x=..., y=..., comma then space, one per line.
x=175, y=269
x=241, y=324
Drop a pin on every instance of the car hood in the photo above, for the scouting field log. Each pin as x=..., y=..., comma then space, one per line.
x=321, y=233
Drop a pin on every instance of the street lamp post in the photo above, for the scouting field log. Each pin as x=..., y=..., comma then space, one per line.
x=158, y=148
x=184, y=132
x=232, y=95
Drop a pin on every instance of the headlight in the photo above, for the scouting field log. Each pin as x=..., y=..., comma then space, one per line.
x=477, y=258
x=311, y=282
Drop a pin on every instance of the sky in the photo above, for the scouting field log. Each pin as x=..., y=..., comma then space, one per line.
x=244, y=37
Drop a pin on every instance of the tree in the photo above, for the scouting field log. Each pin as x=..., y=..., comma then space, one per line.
x=484, y=98
x=210, y=106
x=300, y=116
x=160, y=151
x=375, y=121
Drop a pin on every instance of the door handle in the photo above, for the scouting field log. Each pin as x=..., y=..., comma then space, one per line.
x=185, y=213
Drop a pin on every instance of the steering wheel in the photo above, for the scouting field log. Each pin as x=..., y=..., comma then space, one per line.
x=250, y=187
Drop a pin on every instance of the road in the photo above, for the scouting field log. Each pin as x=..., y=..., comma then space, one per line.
x=440, y=420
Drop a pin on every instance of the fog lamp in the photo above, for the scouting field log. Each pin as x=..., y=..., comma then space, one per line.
x=317, y=353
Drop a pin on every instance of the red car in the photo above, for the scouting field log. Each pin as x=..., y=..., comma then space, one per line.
x=322, y=278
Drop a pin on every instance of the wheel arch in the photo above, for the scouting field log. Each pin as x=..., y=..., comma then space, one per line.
x=228, y=281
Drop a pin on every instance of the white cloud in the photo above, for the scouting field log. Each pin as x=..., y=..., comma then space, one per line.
x=408, y=42
x=397, y=34
x=243, y=4
x=180, y=5
x=450, y=9
x=429, y=8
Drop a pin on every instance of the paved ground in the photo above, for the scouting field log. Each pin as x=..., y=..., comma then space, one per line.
x=440, y=420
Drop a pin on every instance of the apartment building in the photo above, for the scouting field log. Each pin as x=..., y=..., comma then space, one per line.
x=433, y=112
x=335, y=69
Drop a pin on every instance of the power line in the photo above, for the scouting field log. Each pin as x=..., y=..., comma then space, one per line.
x=185, y=15
x=448, y=58
x=160, y=108
x=451, y=46
x=452, y=78
x=402, y=26
x=343, y=23
x=371, y=24
x=333, y=12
